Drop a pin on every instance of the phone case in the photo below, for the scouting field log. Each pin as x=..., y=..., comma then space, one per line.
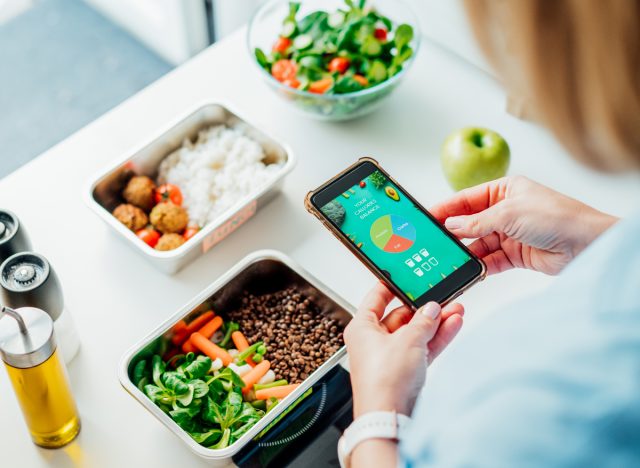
x=370, y=265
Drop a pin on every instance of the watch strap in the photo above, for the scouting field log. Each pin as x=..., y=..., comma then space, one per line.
x=374, y=425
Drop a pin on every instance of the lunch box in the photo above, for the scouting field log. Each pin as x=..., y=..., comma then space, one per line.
x=261, y=272
x=104, y=191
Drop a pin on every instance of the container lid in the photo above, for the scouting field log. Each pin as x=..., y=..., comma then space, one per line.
x=30, y=343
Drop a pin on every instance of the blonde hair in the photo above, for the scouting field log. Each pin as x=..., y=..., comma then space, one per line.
x=577, y=62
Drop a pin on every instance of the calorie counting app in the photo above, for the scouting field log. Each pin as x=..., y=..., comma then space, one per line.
x=395, y=234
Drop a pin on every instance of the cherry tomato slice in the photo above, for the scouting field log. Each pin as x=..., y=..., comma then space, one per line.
x=292, y=83
x=190, y=232
x=168, y=192
x=361, y=79
x=284, y=70
x=282, y=44
x=339, y=64
x=149, y=236
x=321, y=86
x=380, y=34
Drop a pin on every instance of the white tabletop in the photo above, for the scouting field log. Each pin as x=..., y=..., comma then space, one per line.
x=116, y=297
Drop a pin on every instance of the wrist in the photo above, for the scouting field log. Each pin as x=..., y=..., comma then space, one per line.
x=368, y=404
x=595, y=223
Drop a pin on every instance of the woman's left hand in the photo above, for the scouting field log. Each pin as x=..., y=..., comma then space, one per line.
x=388, y=359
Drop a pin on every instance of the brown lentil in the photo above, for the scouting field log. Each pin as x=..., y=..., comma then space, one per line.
x=298, y=337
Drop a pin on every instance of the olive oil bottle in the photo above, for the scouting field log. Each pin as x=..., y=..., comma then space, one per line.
x=39, y=378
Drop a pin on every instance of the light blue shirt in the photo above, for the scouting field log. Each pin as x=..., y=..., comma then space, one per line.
x=551, y=381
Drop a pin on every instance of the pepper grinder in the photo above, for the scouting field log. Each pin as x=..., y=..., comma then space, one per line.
x=27, y=279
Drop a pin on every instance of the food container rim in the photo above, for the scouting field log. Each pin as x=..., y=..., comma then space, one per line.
x=208, y=228
x=217, y=285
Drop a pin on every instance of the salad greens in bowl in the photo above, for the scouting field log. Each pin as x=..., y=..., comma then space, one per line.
x=334, y=59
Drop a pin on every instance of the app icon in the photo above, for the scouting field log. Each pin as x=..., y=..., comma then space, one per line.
x=417, y=257
x=409, y=263
x=418, y=272
x=433, y=261
x=424, y=253
x=426, y=266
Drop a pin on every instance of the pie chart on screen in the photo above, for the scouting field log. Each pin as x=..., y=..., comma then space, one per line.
x=393, y=233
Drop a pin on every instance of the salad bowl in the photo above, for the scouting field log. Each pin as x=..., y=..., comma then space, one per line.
x=378, y=38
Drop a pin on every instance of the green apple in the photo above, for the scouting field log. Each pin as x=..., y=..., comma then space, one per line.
x=473, y=155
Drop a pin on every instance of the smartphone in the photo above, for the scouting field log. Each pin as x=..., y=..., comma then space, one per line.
x=394, y=236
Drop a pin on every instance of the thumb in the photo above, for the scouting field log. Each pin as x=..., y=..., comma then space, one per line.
x=424, y=323
x=479, y=224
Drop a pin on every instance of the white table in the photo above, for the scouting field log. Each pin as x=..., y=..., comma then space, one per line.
x=116, y=297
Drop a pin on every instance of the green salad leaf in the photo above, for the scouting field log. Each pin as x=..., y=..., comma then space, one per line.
x=370, y=46
x=208, y=405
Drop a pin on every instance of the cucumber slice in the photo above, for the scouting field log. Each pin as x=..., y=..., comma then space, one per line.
x=302, y=42
x=288, y=28
x=371, y=47
x=377, y=72
x=336, y=19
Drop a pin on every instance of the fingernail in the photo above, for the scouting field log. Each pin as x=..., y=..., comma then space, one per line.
x=431, y=310
x=453, y=223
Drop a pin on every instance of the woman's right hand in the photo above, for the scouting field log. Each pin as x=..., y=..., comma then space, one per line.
x=519, y=223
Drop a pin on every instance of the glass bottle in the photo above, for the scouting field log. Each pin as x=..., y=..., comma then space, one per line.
x=39, y=378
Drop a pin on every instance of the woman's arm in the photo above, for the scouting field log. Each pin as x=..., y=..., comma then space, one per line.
x=388, y=361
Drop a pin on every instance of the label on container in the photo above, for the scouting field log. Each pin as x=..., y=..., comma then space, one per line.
x=227, y=228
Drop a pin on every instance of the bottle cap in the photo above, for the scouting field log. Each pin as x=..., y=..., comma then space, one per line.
x=28, y=280
x=13, y=238
x=26, y=337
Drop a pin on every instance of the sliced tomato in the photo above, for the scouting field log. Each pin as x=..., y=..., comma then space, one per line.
x=292, y=83
x=321, y=86
x=380, y=34
x=361, y=79
x=282, y=44
x=190, y=232
x=339, y=64
x=168, y=192
x=284, y=70
x=149, y=236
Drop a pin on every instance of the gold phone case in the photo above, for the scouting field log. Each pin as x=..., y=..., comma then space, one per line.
x=369, y=264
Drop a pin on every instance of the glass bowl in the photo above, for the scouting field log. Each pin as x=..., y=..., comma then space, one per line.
x=265, y=27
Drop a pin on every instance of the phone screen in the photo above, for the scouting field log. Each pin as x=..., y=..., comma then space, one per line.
x=395, y=234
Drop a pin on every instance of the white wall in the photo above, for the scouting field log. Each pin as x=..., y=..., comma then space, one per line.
x=445, y=22
x=175, y=29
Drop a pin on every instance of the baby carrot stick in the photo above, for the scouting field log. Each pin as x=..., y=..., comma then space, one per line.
x=182, y=331
x=241, y=344
x=207, y=330
x=211, y=327
x=210, y=349
x=239, y=340
x=198, y=322
x=179, y=332
x=254, y=375
x=275, y=392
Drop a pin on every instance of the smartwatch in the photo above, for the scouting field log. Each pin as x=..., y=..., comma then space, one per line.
x=374, y=425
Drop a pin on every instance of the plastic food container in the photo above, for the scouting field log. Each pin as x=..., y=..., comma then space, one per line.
x=261, y=272
x=104, y=191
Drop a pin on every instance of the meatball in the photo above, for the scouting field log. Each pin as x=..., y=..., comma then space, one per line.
x=131, y=216
x=168, y=218
x=140, y=192
x=170, y=242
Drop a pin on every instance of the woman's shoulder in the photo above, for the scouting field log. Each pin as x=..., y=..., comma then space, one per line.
x=554, y=375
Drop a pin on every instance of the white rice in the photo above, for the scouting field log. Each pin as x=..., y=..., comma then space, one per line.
x=223, y=166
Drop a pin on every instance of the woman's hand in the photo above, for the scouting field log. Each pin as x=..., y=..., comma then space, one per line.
x=388, y=359
x=519, y=223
